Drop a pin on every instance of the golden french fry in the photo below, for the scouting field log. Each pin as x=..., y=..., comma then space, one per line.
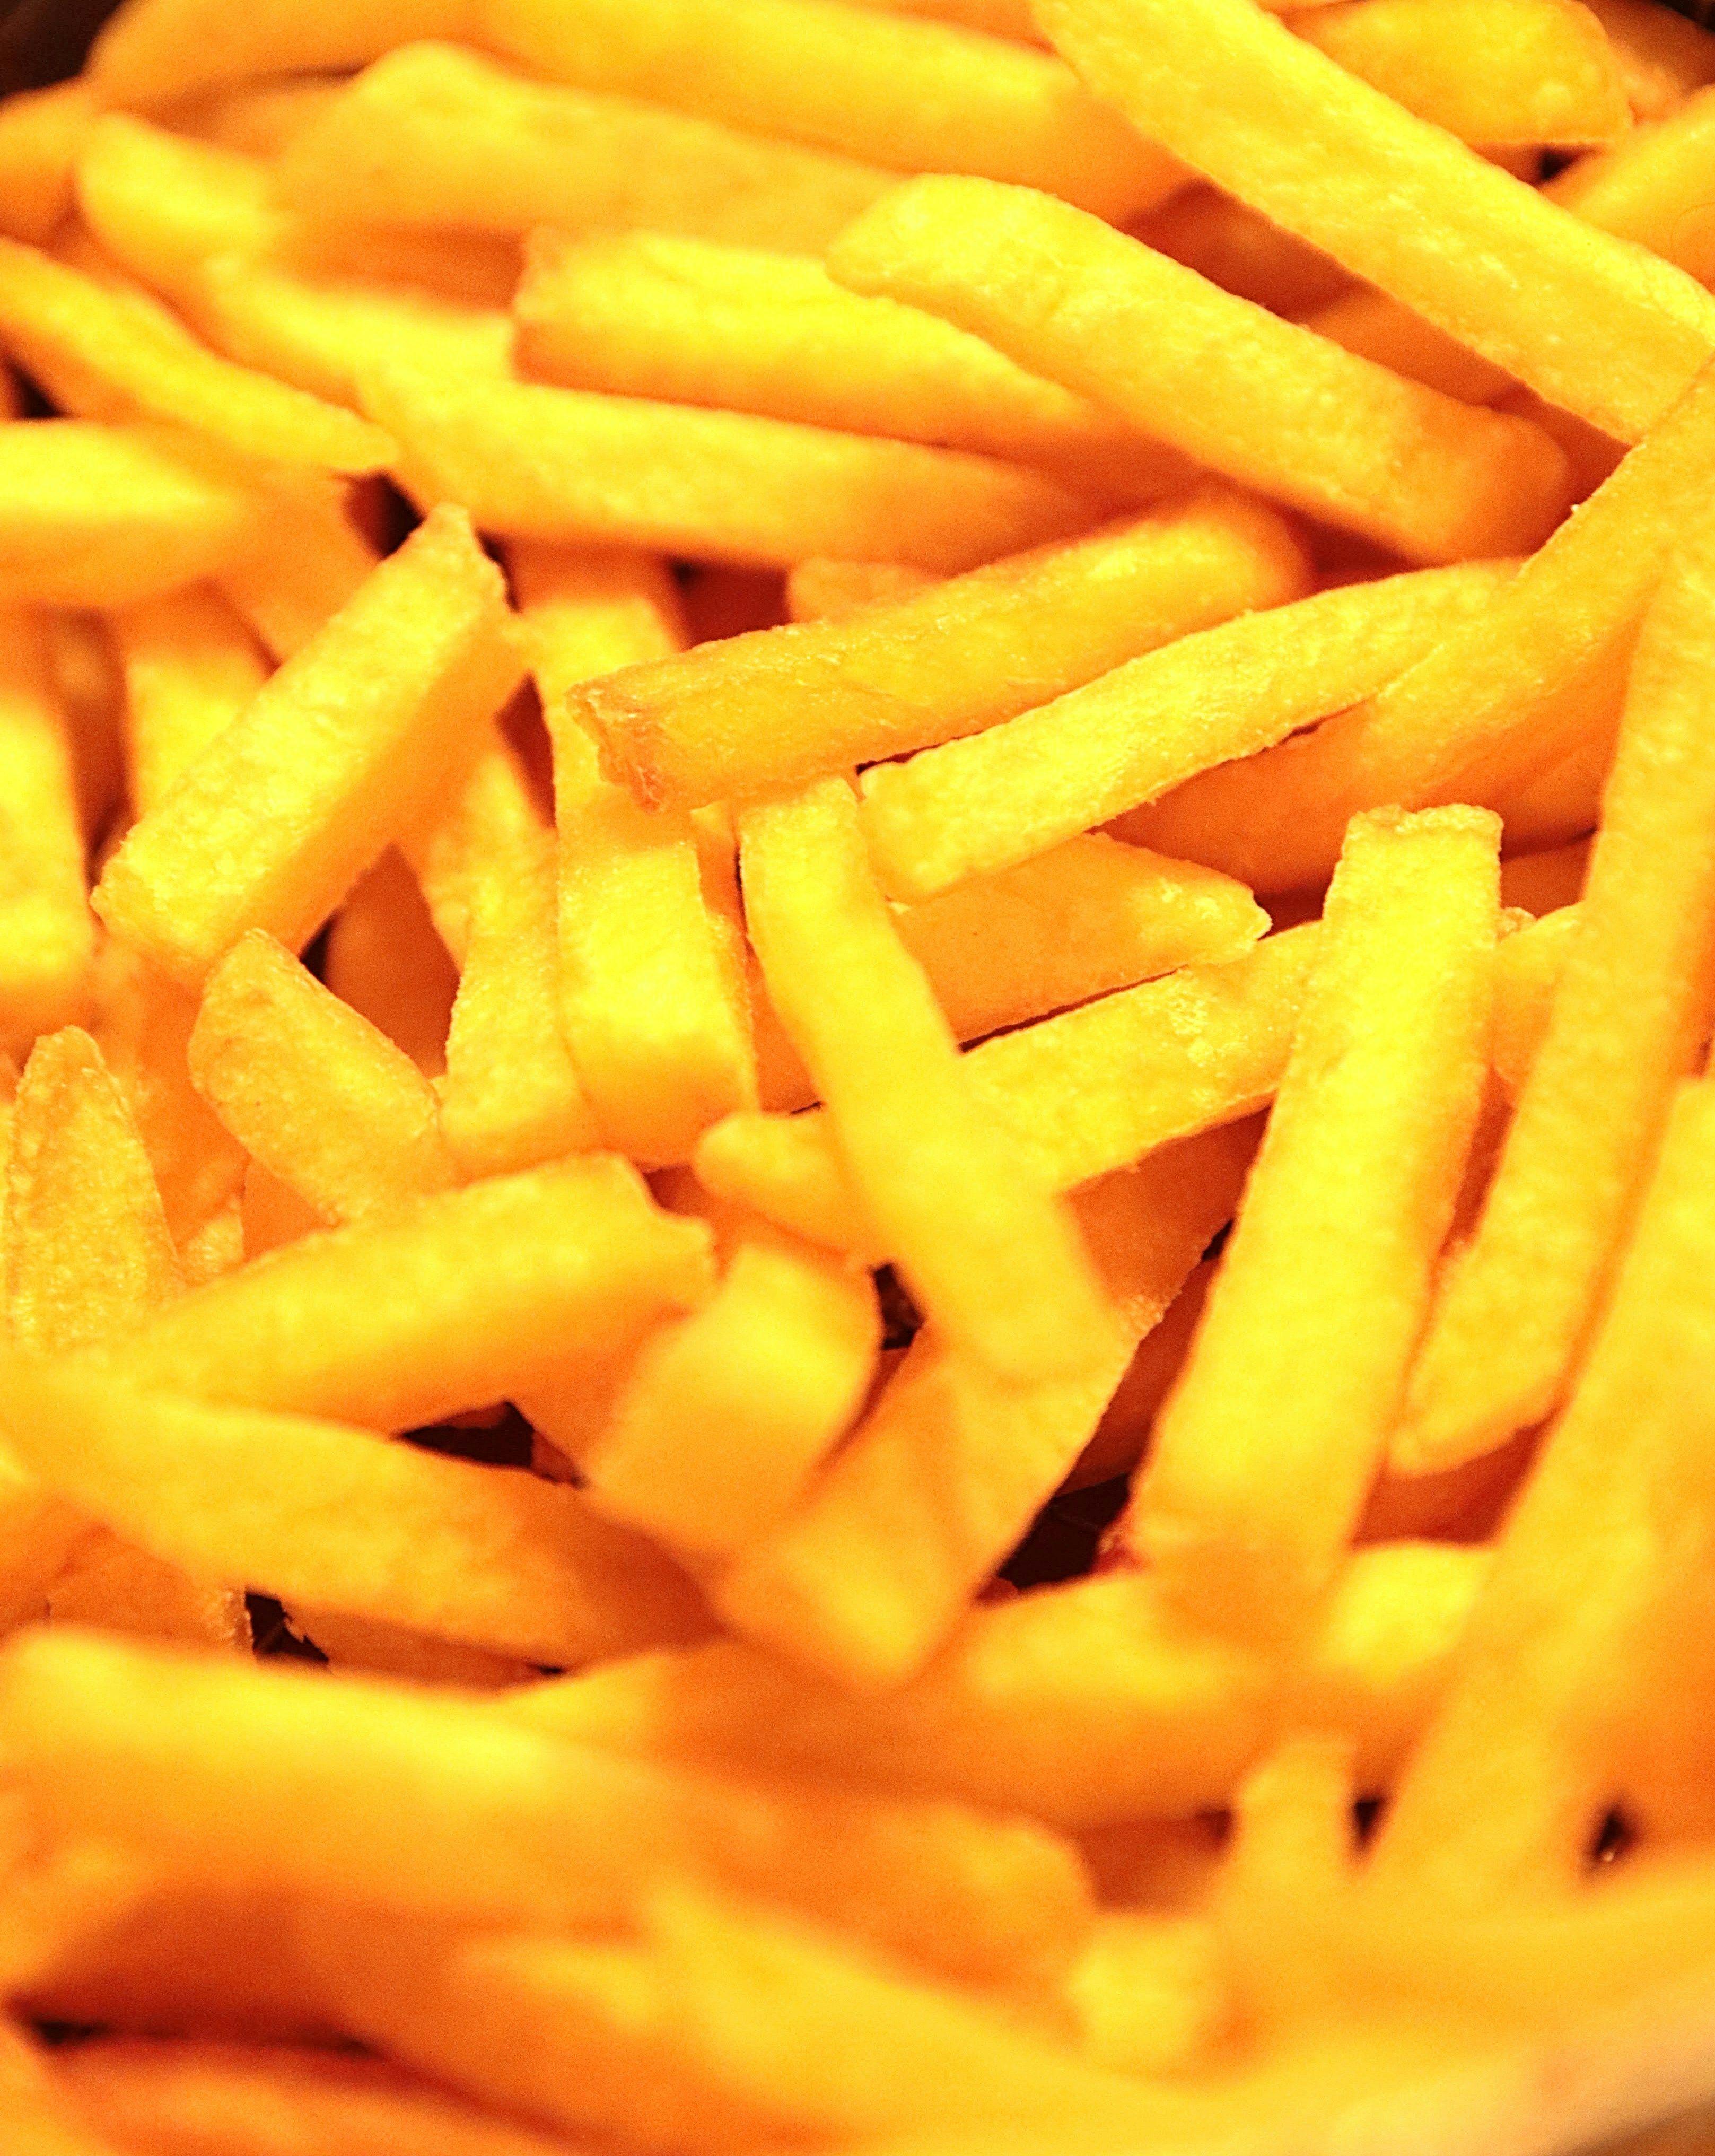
x=1122, y=1435
x=308, y=566
x=1326, y=1281
x=385, y=959
x=1376, y=327
x=41, y=134
x=971, y=806
x=1527, y=970
x=190, y=667
x=785, y=706
x=84, y=670
x=1263, y=113
x=532, y=462
x=157, y=50
x=999, y=19
x=647, y=314
x=115, y=1586
x=1077, y=1095
x=434, y=136
x=391, y=1325
x=259, y=117
x=356, y=742
x=1241, y=252
x=1264, y=401
x=822, y=589
x=387, y=1649
x=39, y=1532
x=1150, y=1995
x=1663, y=57
x=345, y=1519
x=1653, y=187
x=1542, y=883
x=47, y=935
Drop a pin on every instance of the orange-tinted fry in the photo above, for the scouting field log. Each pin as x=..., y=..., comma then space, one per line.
x=47, y=936
x=385, y=959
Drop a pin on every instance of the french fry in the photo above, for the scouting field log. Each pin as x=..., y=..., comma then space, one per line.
x=973, y=807
x=38, y=1532
x=873, y=1570
x=1525, y=683
x=156, y=50
x=892, y=90
x=1630, y=1018
x=84, y=670
x=940, y=663
x=115, y=1585
x=434, y=136
x=822, y=589
x=1208, y=373
x=362, y=1643
x=190, y=667
x=47, y=936
x=1527, y=970
x=1607, y=1537
x=1525, y=71
x=41, y=134
x=646, y=314
x=1150, y=1996
x=309, y=566
x=533, y=462
x=393, y=1764
x=40, y=2119
x=259, y=117
x=1241, y=252
x=996, y=1263
x=1077, y=1095
x=343, y=750
x=389, y=1325
x=1545, y=882
x=1376, y=327
x=385, y=959
x=1653, y=187
x=1290, y=1870
x=348, y=1520
x=1662, y=56
x=998, y=18
x=93, y=516
x=313, y=1091
x=1326, y=1284
x=107, y=353
x=1588, y=322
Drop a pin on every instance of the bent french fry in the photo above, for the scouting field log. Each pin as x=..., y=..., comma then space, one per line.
x=41, y=134
x=157, y=50
x=325, y=1101
x=340, y=1517
x=976, y=806
x=822, y=589
x=390, y=1325
x=646, y=314
x=1588, y=321
x=1266, y=401
x=385, y=959
x=532, y=462
x=1630, y=1018
x=1266, y=1451
x=434, y=136
x=1653, y=187
x=874, y=1568
x=1543, y=72
x=997, y=1264
x=780, y=706
x=1077, y=1095
x=47, y=935
x=342, y=750
x=920, y=96
x=190, y=667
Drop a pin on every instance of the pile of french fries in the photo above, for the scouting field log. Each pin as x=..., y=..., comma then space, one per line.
x=775, y=774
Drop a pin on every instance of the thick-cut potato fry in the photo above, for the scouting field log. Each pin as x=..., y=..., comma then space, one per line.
x=1122, y=1435
x=315, y=1093
x=1597, y=1574
x=47, y=935
x=919, y=96
x=1535, y=675
x=646, y=314
x=385, y=959
x=1653, y=187
x=872, y=1571
x=1264, y=401
x=107, y=353
x=41, y=133
x=393, y=1325
x=1376, y=327
x=1077, y=1095
x=361, y=1643
x=823, y=589
x=344, y=1519
x=156, y=50
x=120, y=1588
x=785, y=705
x=308, y=566
x=975, y=806
x=1663, y=56
x=84, y=1241
x=83, y=668
x=1265, y=1452
x=259, y=117
x=1587, y=322
x=98, y=1732
x=1150, y=1995
x=346, y=747
x=190, y=667
x=998, y=18
x=1493, y=72
x=532, y=462
x=1630, y=1018
x=1241, y=252
x=436, y=136
x=93, y=516
x=997, y=1265
x=1527, y=970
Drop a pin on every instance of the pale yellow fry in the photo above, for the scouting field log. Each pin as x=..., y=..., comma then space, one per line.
x=533, y=462
x=692, y=322
x=313, y=1091
x=919, y=96
x=47, y=935
x=306, y=566
x=345, y=748
x=1588, y=321
x=1264, y=1454
x=436, y=136
x=995, y=1262
x=336, y=1516
x=156, y=50
x=41, y=133
x=1266, y=401
x=973, y=807
x=190, y=667
x=396, y=1324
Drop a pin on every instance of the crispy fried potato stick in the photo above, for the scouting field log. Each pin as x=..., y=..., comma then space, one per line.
x=308, y=566
x=190, y=667
x=1241, y=252
x=155, y=51
x=41, y=135
x=47, y=935
x=1527, y=970
x=1653, y=187
x=824, y=589
x=385, y=959
x=1664, y=56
